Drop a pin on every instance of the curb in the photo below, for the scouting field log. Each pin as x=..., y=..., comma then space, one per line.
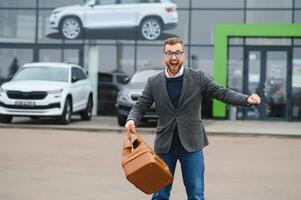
x=148, y=131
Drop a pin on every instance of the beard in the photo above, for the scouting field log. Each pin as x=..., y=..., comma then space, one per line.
x=173, y=66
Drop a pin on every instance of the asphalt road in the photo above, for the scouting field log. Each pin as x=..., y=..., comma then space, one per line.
x=66, y=165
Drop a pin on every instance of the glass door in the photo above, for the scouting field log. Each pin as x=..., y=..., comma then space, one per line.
x=267, y=74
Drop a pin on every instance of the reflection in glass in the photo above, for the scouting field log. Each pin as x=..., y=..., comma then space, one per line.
x=217, y=4
x=12, y=59
x=275, y=84
x=17, y=25
x=268, y=16
x=254, y=66
x=296, y=84
x=117, y=58
x=235, y=81
x=202, y=59
x=50, y=55
x=268, y=41
x=58, y=3
x=269, y=3
x=203, y=23
x=71, y=56
x=18, y=3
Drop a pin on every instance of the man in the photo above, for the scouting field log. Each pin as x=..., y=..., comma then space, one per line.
x=177, y=93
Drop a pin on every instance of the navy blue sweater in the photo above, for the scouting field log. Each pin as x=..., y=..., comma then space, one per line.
x=174, y=88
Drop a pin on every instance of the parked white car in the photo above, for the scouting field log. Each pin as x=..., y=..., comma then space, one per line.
x=149, y=16
x=47, y=90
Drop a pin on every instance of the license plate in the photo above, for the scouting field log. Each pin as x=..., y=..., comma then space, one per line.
x=26, y=104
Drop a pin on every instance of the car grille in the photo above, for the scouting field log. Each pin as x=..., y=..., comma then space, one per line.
x=134, y=96
x=26, y=95
x=53, y=105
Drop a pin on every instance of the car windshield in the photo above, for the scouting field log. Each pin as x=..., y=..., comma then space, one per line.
x=142, y=76
x=42, y=73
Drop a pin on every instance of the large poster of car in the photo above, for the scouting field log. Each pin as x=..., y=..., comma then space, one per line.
x=103, y=19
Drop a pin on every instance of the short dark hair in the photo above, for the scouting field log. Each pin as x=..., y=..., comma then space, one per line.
x=173, y=41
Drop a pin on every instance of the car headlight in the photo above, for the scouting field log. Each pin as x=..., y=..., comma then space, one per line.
x=56, y=11
x=2, y=91
x=123, y=96
x=55, y=91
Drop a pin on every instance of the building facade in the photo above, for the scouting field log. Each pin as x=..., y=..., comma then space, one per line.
x=265, y=63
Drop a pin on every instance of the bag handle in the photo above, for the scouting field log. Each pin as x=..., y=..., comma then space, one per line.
x=130, y=143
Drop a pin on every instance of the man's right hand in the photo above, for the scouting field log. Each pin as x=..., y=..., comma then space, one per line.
x=130, y=127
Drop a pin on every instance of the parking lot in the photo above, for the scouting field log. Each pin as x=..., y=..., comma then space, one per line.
x=55, y=165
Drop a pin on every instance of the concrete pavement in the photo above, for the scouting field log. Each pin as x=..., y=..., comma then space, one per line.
x=39, y=164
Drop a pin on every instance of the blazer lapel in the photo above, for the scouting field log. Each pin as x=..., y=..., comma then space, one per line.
x=164, y=90
x=184, y=86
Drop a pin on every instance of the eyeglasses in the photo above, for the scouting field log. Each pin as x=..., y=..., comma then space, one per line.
x=169, y=54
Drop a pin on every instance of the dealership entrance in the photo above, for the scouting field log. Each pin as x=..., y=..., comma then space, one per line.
x=267, y=72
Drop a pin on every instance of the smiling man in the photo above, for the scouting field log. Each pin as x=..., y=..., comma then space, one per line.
x=177, y=93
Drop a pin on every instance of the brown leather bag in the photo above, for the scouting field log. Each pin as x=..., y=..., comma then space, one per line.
x=143, y=167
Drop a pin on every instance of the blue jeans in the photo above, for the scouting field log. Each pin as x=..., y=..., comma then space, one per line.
x=193, y=168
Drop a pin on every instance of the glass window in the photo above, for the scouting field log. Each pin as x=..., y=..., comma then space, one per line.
x=71, y=56
x=235, y=68
x=202, y=59
x=269, y=3
x=128, y=1
x=182, y=29
x=45, y=33
x=203, y=23
x=296, y=83
x=107, y=2
x=217, y=3
x=58, y=3
x=297, y=17
x=108, y=61
x=17, y=26
x=267, y=16
x=152, y=57
x=18, y=3
x=12, y=59
x=50, y=55
x=236, y=40
x=297, y=3
x=269, y=41
x=297, y=41
x=181, y=3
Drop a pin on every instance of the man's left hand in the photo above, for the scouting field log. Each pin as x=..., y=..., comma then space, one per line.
x=254, y=99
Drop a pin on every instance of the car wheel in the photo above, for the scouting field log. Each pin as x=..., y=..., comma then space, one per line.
x=65, y=118
x=71, y=28
x=6, y=119
x=121, y=120
x=87, y=113
x=150, y=28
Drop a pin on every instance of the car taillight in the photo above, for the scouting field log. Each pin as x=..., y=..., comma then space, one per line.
x=170, y=9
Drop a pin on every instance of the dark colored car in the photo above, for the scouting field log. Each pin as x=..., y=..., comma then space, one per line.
x=109, y=83
x=130, y=93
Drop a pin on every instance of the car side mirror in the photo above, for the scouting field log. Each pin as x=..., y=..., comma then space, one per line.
x=10, y=77
x=74, y=79
x=91, y=4
x=126, y=80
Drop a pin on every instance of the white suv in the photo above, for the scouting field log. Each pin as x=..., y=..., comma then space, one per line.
x=149, y=16
x=47, y=89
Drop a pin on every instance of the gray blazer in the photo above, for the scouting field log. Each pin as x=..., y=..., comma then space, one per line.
x=187, y=115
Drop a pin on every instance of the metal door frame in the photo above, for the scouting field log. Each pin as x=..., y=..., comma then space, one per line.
x=263, y=61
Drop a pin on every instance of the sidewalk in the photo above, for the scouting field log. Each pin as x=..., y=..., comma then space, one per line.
x=213, y=127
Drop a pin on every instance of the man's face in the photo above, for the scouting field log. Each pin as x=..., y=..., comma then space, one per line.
x=174, y=57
